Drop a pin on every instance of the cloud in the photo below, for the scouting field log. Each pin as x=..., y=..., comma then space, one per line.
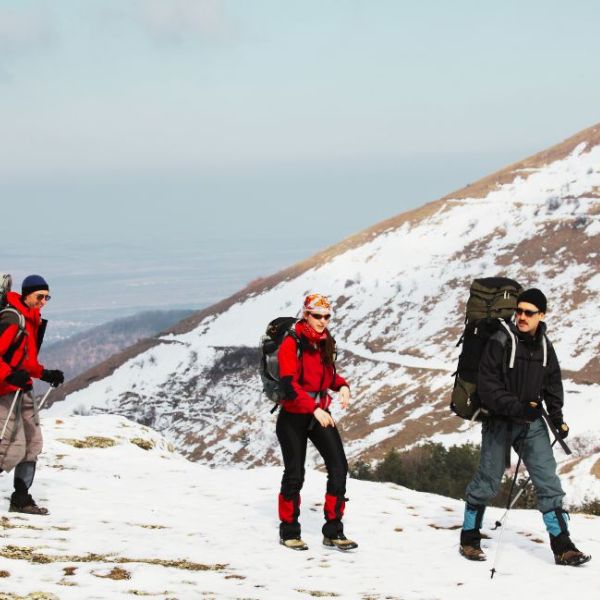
x=23, y=33
x=175, y=21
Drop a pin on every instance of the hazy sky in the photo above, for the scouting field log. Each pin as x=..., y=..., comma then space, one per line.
x=275, y=102
x=287, y=123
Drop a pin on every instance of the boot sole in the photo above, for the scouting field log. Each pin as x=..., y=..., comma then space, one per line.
x=480, y=558
x=580, y=561
x=43, y=512
x=296, y=548
x=345, y=548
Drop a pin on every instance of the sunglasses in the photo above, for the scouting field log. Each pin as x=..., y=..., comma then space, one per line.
x=319, y=317
x=527, y=313
x=40, y=297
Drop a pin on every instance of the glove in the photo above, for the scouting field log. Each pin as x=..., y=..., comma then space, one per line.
x=53, y=377
x=561, y=427
x=532, y=411
x=19, y=378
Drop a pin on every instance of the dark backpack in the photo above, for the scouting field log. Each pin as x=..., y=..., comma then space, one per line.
x=491, y=304
x=10, y=316
x=277, y=330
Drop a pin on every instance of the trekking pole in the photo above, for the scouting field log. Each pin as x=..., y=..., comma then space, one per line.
x=10, y=411
x=554, y=430
x=508, y=505
x=41, y=404
x=515, y=499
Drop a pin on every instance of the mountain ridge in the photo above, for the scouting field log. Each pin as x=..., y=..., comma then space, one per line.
x=398, y=290
x=590, y=135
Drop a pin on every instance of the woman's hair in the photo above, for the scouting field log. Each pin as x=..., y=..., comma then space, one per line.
x=328, y=349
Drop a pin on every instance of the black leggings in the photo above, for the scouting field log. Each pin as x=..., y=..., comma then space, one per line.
x=293, y=432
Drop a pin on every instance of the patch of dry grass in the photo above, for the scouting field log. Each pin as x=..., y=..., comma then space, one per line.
x=91, y=441
x=31, y=555
x=30, y=596
x=142, y=443
x=116, y=573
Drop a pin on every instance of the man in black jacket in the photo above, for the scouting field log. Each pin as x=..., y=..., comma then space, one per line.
x=516, y=374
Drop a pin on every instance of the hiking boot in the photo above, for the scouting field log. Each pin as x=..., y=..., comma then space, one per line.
x=566, y=553
x=340, y=541
x=470, y=544
x=294, y=544
x=473, y=552
x=572, y=558
x=26, y=505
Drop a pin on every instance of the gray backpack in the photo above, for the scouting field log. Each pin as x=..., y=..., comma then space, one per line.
x=10, y=316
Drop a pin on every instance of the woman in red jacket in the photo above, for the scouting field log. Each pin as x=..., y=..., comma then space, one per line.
x=307, y=373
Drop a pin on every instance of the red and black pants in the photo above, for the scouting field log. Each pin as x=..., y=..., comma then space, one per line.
x=293, y=432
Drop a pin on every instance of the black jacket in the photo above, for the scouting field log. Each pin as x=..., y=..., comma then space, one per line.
x=504, y=391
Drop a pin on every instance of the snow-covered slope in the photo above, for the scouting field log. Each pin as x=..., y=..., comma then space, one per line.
x=132, y=522
x=399, y=291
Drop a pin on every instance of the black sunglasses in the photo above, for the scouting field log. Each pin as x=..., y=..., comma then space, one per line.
x=527, y=313
x=319, y=317
x=41, y=297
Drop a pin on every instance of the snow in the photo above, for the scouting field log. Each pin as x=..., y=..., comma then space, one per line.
x=127, y=505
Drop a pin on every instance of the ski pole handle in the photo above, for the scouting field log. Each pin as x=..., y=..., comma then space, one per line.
x=555, y=432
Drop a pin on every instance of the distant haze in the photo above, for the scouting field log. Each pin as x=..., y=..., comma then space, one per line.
x=163, y=153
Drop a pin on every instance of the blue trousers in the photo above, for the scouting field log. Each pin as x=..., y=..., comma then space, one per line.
x=533, y=443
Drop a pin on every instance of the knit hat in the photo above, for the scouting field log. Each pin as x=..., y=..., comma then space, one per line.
x=535, y=297
x=33, y=283
x=317, y=303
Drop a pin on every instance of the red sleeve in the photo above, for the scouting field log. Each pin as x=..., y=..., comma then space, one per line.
x=289, y=372
x=6, y=339
x=338, y=382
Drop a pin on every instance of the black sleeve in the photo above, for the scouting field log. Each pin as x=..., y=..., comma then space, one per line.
x=490, y=380
x=553, y=388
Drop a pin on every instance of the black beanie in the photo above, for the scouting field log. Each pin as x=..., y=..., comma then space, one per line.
x=535, y=297
x=33, y=283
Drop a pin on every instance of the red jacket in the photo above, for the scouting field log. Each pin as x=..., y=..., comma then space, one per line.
x=26, y=355
x=316, y=376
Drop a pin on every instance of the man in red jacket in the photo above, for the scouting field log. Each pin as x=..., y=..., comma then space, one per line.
x=21, y=333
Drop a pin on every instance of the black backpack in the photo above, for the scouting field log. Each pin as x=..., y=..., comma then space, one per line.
x=277, y=330
x=491, y=304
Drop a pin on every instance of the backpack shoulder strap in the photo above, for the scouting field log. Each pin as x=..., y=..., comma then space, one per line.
x=545, y=342
x=291, y=332
x=513, y=342
x=13, y=317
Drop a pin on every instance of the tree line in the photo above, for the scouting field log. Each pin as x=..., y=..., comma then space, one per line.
x=435, y=469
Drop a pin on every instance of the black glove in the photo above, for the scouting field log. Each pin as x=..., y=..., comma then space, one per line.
x=53, y=377
x=561, y=427
x=532, y=411
x=19, y=378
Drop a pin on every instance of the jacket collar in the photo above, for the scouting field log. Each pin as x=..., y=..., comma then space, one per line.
x=533, y=340
x=14, y=300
